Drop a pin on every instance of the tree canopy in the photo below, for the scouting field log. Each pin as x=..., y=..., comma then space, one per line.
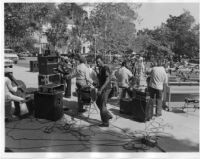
x=110, y=29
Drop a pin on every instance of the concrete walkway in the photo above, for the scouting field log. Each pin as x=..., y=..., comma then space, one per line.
x=174, y=132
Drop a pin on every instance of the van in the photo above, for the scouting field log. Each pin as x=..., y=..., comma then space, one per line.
x=11, y=55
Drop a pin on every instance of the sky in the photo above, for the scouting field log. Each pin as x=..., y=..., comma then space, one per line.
x=153, y=14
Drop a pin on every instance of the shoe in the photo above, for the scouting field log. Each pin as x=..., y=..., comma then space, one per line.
x=104, y=125
x=82, y=110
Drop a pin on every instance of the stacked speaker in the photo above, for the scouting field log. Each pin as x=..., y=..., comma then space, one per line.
x=139, y=106
x=49, y=98
x=47, y=66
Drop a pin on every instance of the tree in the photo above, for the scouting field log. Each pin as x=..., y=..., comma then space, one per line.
x=22, y=19
x=182, y=36
x=114, y=25
x=176, y=37
x=58, y=34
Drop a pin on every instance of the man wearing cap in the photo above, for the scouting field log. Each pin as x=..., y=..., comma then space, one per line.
x=9, y=89
x=9, y=96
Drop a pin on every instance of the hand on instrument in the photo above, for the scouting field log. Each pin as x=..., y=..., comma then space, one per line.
x=20, y=88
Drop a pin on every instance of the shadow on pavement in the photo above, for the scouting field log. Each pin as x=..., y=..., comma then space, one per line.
x=28, y=136
x=170, y=144
x=117, y=113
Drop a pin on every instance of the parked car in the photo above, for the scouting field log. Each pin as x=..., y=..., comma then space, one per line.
x=8, y=63
x=24, y=54
x=11, y=55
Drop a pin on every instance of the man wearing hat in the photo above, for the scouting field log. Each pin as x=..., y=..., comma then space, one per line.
x=9, y=96
x=9, y=89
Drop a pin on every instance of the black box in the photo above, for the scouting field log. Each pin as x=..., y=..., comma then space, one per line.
x=47, y=64
x=49, y=79
x=44, y=60
x=126, y=106
x=52, y=88
x=143, y=108
x=33, y=66
x=47, y=69
x=48, y=106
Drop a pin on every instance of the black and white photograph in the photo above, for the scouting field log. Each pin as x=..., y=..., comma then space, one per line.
x=87, y=79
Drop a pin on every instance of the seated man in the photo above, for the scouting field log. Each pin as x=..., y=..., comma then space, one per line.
x=9, y=90
x=82, y=74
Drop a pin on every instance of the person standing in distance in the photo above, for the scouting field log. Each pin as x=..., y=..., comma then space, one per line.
x=104, y=89
x=124, y=75
x=158, y=77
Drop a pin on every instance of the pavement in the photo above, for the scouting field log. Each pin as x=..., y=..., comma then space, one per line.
x=174, y=131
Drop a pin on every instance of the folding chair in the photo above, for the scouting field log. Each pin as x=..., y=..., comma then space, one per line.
x=88, y=99
x=191, y=103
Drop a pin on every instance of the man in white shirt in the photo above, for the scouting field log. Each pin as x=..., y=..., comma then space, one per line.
x=158, y=77
x=9, y=89
x=124, y=75
x=9, y=95
x=82, y=74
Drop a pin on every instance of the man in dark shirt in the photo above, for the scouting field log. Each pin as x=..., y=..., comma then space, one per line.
x=104, y=90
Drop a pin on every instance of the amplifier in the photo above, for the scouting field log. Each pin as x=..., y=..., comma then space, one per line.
x=33, y=66
x=44, y=60
x=52, y=88
x=126, y=106
x=48, y=106
x=49, y=79
x=141, y=94
x=48, y=68
x=47, y=64
x=143, y=108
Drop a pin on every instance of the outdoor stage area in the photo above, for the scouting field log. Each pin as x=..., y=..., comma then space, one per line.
x=174, y=131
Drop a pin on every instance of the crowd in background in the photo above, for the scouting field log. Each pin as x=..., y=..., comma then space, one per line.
x=106, y=82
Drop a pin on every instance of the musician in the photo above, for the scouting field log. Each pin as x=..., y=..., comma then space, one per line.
x=82, y=74
x=104, y=78
x=83, y=79
x=158, y=77
x=139, y=71
x=9, y=94
x=9, y=89
x=65, y=67
x=124, y=75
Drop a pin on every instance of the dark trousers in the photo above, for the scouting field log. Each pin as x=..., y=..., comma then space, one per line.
x=101, y=103
x=158, y=94
x=68, y=88
x=80, y=104
x=125, y=92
